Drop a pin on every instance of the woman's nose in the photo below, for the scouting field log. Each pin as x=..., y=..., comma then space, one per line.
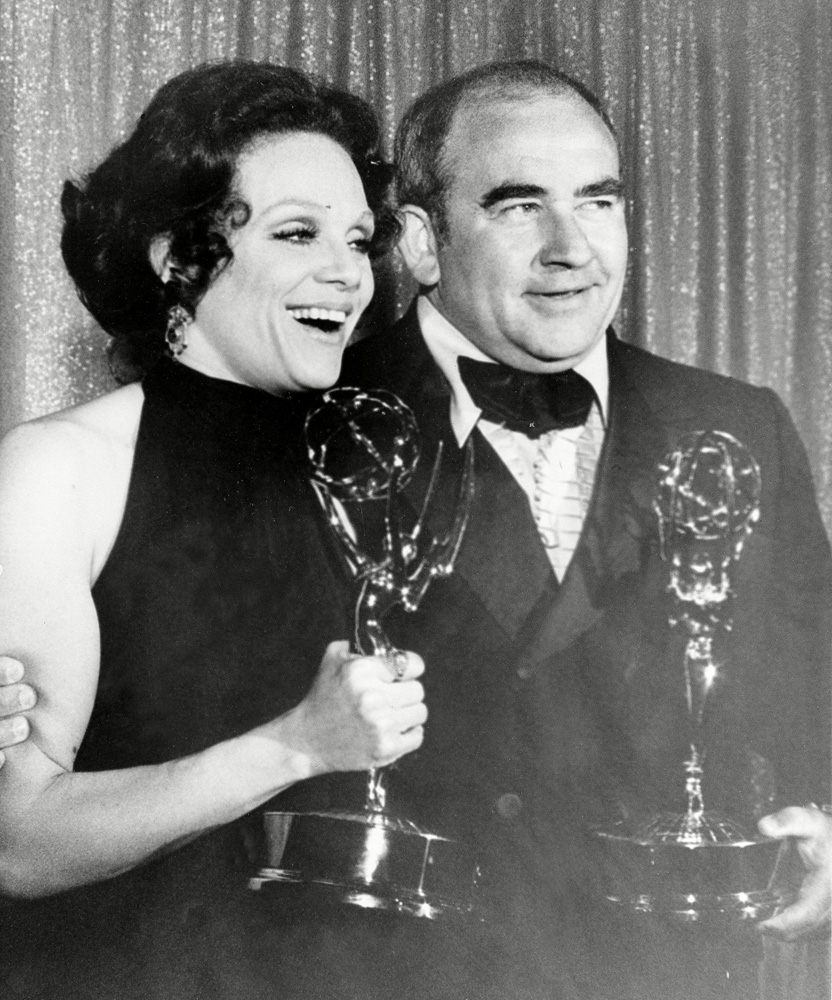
x=343, y=265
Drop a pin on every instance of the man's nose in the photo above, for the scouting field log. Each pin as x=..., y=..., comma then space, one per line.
x=342, y=265
x=564, y=241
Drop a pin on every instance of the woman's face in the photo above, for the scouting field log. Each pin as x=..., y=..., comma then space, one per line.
x=279, y=316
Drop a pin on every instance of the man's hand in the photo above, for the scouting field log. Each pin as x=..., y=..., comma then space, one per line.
x=811, y=829
x=14, y=699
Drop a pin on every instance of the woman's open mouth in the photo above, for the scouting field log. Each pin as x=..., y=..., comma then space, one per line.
x=320, y=318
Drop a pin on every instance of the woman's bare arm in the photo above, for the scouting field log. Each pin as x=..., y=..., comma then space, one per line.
x=59, y=828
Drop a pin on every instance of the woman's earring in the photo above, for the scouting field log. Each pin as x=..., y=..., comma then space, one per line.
x=176, y=332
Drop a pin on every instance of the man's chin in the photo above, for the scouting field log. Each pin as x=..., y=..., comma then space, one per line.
x=547, y=361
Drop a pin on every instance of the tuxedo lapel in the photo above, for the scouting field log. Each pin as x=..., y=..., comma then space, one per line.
x=621, y=517
x=501, y=558
x=620, y=524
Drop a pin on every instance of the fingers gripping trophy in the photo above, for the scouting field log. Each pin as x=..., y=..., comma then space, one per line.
x=365, y=446
x=699, y=865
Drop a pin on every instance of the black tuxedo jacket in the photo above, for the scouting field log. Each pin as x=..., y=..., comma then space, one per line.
x=555, y=708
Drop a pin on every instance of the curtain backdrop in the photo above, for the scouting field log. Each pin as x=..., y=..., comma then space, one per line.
x=723, y=107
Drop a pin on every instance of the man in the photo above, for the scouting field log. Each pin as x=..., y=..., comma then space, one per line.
x=15, y=696
x=555, y=685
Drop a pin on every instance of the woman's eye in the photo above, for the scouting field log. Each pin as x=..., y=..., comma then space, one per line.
x=298, y=234
x=361, y=245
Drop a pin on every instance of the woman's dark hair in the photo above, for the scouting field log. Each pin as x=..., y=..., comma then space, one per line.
x=174, y=177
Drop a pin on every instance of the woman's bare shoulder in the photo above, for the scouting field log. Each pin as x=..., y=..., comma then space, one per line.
x=109, y=421
x=76, y=464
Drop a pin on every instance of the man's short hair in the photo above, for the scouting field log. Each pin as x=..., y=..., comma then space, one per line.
x=423, y=172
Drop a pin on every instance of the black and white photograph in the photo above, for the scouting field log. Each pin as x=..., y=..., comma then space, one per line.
x=415, y=499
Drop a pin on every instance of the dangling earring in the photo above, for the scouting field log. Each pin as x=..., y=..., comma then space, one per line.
x=176, y=332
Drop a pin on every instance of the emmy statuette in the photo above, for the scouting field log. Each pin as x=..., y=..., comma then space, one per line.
x=699, y=865
x=365, y=446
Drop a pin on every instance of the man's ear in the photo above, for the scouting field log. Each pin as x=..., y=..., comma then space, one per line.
x=160, y=258
x=418, y=245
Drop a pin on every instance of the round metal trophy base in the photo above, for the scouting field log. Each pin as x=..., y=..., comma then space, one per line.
x=714, y=876
x=371, y=860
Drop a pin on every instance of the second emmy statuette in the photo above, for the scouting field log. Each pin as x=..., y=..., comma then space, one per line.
x=699, y=864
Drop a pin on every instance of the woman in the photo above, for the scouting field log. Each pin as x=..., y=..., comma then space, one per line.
x=167, y=576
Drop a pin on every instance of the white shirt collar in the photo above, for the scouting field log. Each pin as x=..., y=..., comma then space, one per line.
x=446, y=344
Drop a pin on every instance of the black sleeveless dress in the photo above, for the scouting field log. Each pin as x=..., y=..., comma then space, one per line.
x=215, y=607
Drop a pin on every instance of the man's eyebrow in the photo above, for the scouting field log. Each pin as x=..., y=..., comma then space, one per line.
x=503, y=192
x=609, y=187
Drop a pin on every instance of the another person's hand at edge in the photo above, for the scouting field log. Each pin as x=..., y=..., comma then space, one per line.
x=16, y=697
x=811, y=830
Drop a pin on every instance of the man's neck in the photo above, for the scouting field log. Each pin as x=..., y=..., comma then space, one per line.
x=446, y=344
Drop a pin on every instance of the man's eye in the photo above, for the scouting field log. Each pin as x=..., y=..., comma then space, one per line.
x=599, y=204
x=521, y=208
x=298, y=234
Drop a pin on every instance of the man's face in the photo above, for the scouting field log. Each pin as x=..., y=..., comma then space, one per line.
x=532, y=265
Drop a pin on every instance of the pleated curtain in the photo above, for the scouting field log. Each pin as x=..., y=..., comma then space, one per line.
x=723, y=107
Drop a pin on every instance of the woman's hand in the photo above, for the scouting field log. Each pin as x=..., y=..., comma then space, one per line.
x=15, y=698
x=359, y=714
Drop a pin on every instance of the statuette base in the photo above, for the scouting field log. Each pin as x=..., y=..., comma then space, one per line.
x=371, y=860
x=721, y=877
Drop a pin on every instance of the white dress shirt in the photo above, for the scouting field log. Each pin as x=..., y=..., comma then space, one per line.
x=554, y=463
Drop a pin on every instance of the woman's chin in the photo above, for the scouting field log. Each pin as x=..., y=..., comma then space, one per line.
x=320, y=379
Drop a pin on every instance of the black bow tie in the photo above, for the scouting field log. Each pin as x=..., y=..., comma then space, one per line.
x=529, y=402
